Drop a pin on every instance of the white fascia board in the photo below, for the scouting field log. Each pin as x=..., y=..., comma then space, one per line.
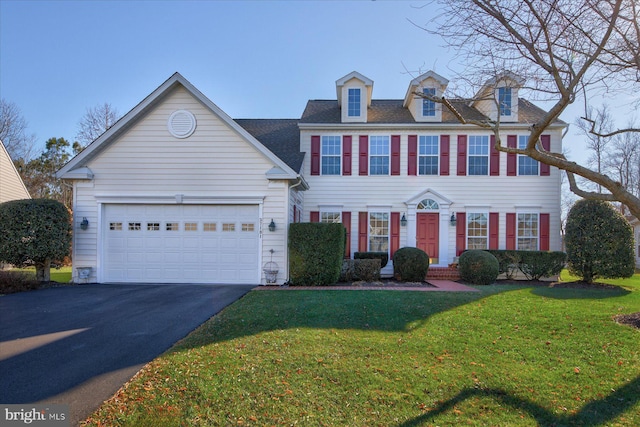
x=178, y=199
x=80, y=173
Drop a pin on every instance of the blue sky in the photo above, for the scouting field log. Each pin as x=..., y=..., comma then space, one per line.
x=254, y=59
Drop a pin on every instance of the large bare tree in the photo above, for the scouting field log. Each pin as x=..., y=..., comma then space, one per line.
x=565, y=50
x=13, y=131
x=95, y=122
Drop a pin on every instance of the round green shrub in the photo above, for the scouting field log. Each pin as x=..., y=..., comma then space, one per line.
x=410, y=264
x=478, y=267
x=599, y=242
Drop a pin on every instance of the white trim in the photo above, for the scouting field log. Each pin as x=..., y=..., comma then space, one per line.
x=174, y=199
x=150, y=102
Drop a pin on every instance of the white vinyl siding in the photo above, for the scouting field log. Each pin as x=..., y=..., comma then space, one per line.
x=146, y=162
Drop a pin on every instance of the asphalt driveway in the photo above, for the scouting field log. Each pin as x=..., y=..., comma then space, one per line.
x=78, y=345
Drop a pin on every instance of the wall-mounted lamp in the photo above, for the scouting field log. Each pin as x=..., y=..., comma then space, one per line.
x=403, y=221
x=85, y=223
x=272, y=226
x=453, y=220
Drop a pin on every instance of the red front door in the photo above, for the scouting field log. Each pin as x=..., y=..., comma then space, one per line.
x=427, y=237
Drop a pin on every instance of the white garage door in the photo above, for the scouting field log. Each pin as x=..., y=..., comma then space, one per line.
x=181, y=243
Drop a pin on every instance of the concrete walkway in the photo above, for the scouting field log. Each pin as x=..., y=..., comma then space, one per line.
x=437, y=286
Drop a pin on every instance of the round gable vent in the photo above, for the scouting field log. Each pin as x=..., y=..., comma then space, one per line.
x=182, y=124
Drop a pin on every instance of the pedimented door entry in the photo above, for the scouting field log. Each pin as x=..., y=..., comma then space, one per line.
x=428, y=235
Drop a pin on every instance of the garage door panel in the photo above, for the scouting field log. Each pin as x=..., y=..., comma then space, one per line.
x=181, y=243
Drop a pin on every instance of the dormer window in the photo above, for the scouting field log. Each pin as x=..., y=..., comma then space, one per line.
x=428, y=106
x=354, y=102
x=504, y=100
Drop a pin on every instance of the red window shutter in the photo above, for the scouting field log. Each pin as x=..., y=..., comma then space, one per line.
x=512, y=159
x=462, y=155
x=412, y=166
x=346, y=155
x=444, y=155
x=363, y=153
x=315, y=155
x=493, y=230
x=494, y=158
x=544, y=231
x=394, y=244
x=363, y=231
x=461, y=232
x=314, y=216
x=346, y=221
x=395, y=154
x=545, y=170
x=511, y=231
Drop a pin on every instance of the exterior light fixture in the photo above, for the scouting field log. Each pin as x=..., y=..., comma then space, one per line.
x=453, y=220
x=272, y=225
x=85, y=223
x=403, y=220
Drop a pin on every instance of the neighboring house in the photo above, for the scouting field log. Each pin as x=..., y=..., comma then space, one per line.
x=11, y=185
x=177, y=191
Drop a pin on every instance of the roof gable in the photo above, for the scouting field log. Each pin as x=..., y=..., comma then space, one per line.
x=150, y=102
x=11, y=185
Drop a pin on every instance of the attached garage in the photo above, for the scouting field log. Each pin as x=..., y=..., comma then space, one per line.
x=181, y=243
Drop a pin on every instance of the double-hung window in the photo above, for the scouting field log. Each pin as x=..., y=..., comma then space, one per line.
x=330, y=217
x=528, y=231
x=353, y=102
x=478, y=155
x=526, y=165
x=378, y=155
x=504, y=100
x=331, y=148
x=378, y=231
x=477, y=231
x=428, y=155
x=428, y=106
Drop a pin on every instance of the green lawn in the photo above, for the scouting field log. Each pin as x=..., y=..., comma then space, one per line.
x=60, y=275
x=507, y=355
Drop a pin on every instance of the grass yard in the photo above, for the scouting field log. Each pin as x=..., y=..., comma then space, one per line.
x=60, y=275
x=508, y=355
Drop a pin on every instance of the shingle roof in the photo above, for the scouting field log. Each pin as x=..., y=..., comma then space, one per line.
x=280, y=136
x=392, y=111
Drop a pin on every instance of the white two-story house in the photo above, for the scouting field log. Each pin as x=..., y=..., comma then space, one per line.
x=177, y=191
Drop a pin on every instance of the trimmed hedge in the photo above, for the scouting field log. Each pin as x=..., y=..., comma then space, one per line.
x=478, y=267
x=599, y=242
x=410, y=264
x=34, y=231
x=360, y=269
x=533, y=264
x=382, y=256
x=315, y=253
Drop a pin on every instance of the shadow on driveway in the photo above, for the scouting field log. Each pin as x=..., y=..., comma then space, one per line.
x=78, y=345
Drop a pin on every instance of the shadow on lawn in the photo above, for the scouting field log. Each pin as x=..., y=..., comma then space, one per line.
x=571, y=293
x=593, y=414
